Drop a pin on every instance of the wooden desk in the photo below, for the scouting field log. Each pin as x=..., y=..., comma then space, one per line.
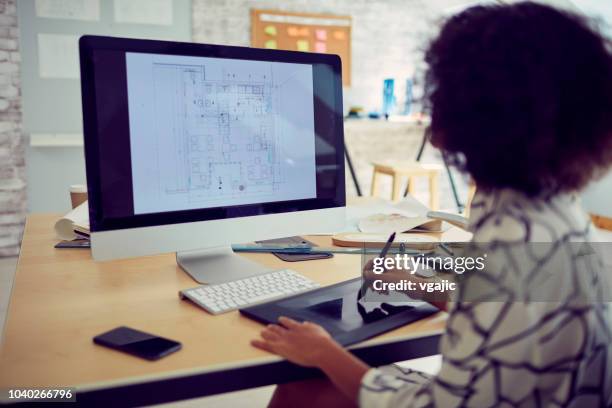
x=61, y=299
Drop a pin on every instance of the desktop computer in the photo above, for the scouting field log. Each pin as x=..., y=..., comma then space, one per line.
x=192, y=147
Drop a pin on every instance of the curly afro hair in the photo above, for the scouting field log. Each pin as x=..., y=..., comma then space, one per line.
x=521, y=97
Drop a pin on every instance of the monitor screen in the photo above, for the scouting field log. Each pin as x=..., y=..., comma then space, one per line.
x=178, y=132
x=211, y=132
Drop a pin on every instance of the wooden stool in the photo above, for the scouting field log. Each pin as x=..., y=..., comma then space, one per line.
x=470, y=197
x=602, y=222
x=399, y=169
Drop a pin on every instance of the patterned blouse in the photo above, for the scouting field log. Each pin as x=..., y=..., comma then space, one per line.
x=553, y=348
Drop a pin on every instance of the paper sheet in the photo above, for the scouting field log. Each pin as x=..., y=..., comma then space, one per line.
x=388, y=223
x=303, y=45
x=271, y=44
x=88, y=10
x=408, y=207
x=320, y=47
x=293, y=31
x=157, y=12
x=321, y=35
x=305, y=20
x=75, y=219
x=298, y=31
x=339, y=35
x=58, y=56
x=270, y=30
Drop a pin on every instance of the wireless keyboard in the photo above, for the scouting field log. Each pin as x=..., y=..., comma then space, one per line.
x=225, y=297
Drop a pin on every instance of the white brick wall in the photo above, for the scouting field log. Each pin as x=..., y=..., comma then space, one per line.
x=12, y=143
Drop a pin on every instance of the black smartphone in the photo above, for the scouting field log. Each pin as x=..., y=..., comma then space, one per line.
x=137, y=343
x=76, y=243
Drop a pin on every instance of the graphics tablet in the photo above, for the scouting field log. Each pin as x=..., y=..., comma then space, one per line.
x=336, y=309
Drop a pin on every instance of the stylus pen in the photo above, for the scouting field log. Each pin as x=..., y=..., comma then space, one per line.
x=385, y=249
x=364, y=287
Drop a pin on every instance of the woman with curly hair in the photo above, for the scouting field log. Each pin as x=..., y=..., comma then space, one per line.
x=521, y=99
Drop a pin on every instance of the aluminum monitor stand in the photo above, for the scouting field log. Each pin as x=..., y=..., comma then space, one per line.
x=218, y=265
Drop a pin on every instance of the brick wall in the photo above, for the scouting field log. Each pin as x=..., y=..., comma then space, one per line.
x=12, y=144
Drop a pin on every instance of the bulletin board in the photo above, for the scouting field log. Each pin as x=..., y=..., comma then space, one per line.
x=322, y=33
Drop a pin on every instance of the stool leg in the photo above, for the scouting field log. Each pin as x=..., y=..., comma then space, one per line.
x=374, y=187
x=434, y=197
x=471, y=193
x=411, y=185
x=396, y=193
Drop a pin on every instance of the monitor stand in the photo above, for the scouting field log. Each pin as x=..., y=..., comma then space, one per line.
x=218, y=265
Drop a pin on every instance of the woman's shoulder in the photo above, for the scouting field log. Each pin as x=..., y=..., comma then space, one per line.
x=511, y=217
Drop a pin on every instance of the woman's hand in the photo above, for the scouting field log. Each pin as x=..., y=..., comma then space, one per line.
x=389, y=275
x=439, y=300
x=306, y=344
x=309, y=345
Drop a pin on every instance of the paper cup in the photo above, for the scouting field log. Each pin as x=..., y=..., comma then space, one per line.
x=78, y=194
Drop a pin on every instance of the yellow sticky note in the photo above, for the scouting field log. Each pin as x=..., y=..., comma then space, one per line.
x=339, y=35
x=270, y=30
x=321, y=35
x=270, y=44
x=303, y=45
x=320, y=46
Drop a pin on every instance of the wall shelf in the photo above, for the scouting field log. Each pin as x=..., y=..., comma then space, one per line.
x=56, y=140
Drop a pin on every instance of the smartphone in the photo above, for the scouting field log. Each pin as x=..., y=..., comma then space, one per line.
x=137, y=343
x=76, y=243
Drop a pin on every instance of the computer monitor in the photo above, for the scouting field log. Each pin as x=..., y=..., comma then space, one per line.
x=192, y=147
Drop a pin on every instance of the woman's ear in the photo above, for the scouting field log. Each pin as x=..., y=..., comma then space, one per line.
x=434, y=139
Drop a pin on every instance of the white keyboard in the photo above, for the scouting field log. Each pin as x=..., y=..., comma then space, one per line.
x=225, y=297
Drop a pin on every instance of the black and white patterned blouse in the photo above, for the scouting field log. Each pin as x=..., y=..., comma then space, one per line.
x=550, y=345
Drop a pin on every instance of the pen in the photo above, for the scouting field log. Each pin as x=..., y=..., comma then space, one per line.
x=385, y=249
x=364, y=287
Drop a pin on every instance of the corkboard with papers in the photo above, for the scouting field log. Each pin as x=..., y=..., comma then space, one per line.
x=322, y=33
